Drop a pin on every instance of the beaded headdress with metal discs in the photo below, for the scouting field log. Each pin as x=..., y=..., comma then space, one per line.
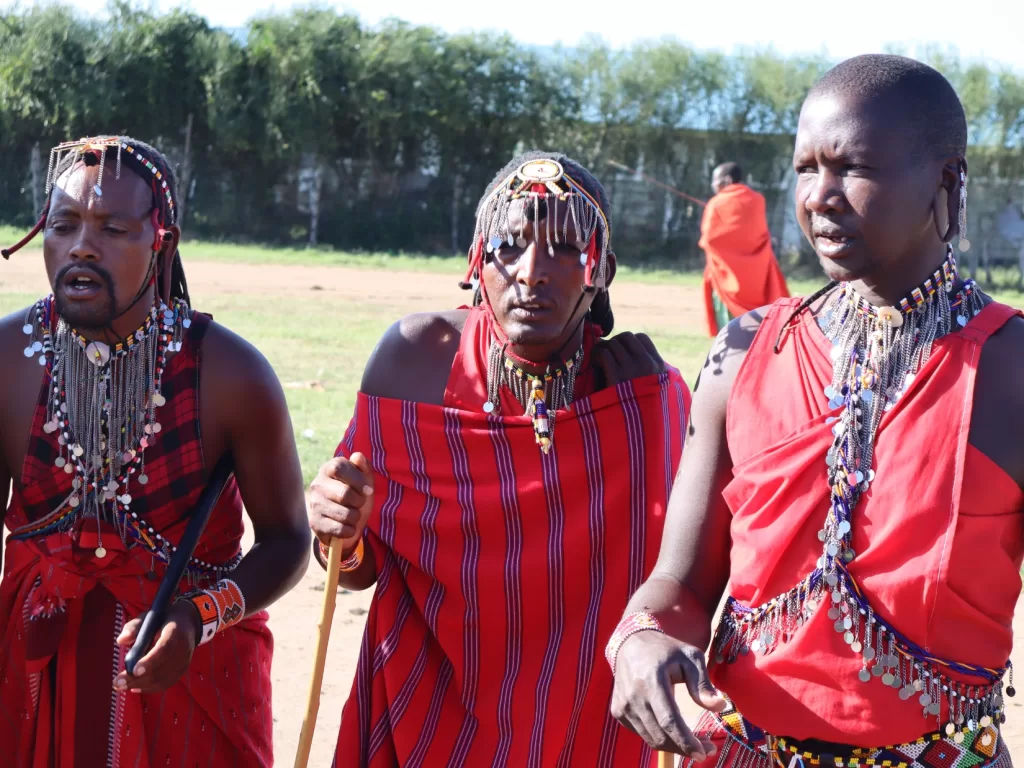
x=97, y=147
x=543, y=188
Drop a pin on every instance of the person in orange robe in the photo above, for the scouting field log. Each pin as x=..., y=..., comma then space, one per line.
x=741, y=273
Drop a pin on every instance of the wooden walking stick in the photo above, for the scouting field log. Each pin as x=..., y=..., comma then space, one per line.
x=666, y=760
x=320, y=658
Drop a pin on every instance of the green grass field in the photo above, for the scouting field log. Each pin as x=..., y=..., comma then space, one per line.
x=318, y=345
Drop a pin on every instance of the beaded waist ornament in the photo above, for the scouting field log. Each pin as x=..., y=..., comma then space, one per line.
x=541, y=191
x=747, y=746
x=876, y=352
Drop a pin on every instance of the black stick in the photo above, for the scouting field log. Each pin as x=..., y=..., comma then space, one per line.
x=154, y=619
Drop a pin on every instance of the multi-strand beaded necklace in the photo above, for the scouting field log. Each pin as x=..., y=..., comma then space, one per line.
x=876, y=353
x=102, y=404
x=541, y=395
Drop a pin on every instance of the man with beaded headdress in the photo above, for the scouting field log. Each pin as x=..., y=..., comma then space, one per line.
x=854, y=474
x=109, y=445
x=502, y=483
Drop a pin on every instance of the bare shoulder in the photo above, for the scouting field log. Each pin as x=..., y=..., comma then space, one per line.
x=13, y=340
x=998, y=410
x=236, y=376
x=1001, y=366
x=413, y=359
x=728, y=351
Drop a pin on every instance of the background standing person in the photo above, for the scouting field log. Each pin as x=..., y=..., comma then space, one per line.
x=741, y=273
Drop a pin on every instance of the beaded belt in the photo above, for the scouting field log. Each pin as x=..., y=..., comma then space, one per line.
x=747, y=746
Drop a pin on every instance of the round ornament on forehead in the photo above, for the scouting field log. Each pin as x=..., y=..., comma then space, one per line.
x=541, y=171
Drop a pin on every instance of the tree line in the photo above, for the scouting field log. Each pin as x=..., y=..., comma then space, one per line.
x=313, y=127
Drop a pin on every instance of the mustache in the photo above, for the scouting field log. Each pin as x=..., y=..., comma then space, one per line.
x=98, y=270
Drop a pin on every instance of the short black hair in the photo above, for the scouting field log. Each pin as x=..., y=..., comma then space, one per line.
x=926, y=99
x=731, y=171
x=601, y=309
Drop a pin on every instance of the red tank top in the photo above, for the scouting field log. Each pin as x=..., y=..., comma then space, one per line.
x=467, y=383
x=939, y=536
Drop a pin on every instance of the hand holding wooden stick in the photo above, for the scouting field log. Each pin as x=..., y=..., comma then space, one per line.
x=320, y=658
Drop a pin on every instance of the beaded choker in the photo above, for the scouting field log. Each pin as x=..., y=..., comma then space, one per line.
x=541, y=395
x=876, y=353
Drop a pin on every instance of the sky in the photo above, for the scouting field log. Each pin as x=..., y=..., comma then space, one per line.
x=988, y=29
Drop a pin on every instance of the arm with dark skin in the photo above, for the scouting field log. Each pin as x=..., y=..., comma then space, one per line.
x=242, y=412
x=423, y=348
x=997, y=417
x=411, y=361
x=689, y=578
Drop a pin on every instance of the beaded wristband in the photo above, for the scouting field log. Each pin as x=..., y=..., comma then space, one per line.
x=350, y=563
x=221, y=606
x=629, y=626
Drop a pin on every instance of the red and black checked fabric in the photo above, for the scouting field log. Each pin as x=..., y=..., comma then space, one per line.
x=502, y=573
x=174, y=464
x=61, y=609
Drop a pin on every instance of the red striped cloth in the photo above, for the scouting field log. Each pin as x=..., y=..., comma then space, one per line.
x=502, y=573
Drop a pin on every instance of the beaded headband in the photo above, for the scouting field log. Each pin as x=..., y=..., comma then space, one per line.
x=536, y=182
x=97, y=147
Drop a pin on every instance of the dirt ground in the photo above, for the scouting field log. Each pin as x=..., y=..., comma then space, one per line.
x=294, y=618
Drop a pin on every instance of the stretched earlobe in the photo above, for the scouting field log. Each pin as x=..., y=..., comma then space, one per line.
x=940, y=215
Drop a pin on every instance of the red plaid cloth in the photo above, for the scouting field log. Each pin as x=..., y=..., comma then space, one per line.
x=61, y=609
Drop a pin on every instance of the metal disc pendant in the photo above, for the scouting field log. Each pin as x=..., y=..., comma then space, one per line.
x=488, y=407
x=520, y=242
x=98, y=353
x=101, y=552
x=865, y=676
x=143, y=479
x=965, y=245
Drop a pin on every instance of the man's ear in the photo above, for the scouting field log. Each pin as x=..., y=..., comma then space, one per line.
x=612, y=266
x=165, y=261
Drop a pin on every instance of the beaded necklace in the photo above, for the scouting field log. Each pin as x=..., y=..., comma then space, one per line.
x=876, y=353
x=102, y=405
x=541, y=395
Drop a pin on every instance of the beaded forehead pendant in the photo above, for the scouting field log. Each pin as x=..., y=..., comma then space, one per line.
x=542, y=193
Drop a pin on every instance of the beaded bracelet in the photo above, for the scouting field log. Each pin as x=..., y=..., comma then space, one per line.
x=221, y=606
x=350, y=563
x=630, y=625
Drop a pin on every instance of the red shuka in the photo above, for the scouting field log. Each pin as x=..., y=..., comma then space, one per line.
x=939, y=536
x=741, y=267
x=61, y=609
x=503, y=572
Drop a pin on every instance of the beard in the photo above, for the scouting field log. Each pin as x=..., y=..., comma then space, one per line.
x=96, y=314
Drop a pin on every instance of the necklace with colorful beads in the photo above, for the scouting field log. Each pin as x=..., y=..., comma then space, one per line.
x=541, y=395
x=876, y=354
x=102, y=405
